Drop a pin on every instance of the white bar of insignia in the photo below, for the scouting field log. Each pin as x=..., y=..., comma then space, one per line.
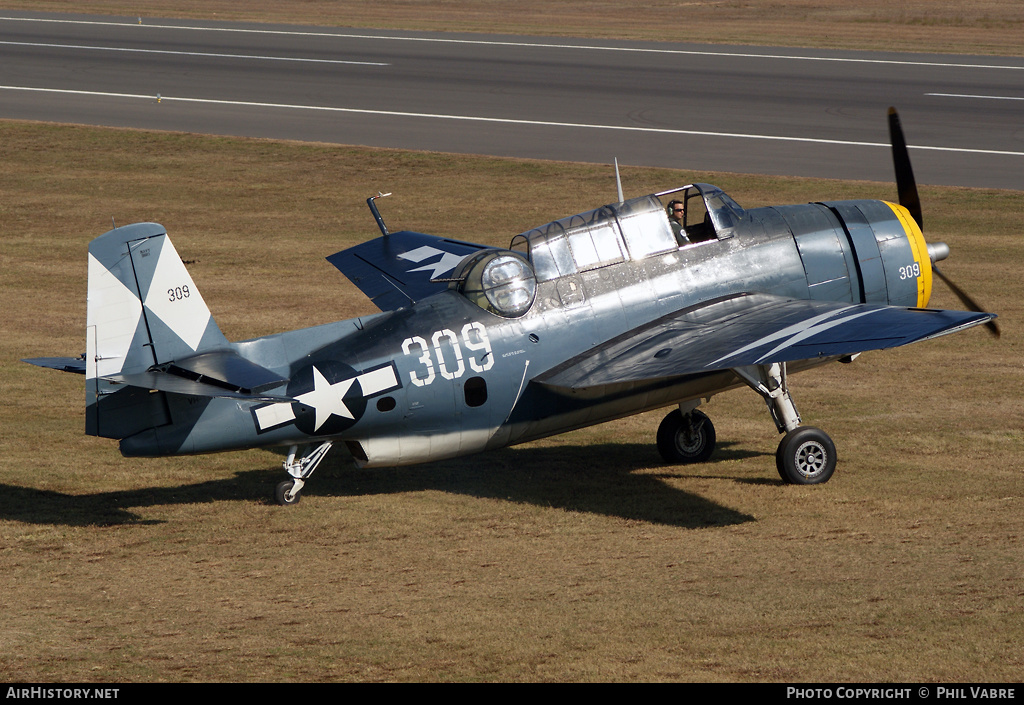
x=377, y=381
x=274, y=415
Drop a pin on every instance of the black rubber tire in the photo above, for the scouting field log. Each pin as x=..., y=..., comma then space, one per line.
x=806, y=456
x=685, y=441
x=283, y=494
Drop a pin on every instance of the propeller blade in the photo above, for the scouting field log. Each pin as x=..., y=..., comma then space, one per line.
x=967, y=301
x=906, y=186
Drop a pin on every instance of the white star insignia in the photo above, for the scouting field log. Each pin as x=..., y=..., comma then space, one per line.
x=327, y=399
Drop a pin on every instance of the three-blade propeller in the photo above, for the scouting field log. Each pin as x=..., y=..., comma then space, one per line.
x=906, y=187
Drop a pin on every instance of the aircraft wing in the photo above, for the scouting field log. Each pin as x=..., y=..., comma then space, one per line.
x=399, y=269
x=752, y=329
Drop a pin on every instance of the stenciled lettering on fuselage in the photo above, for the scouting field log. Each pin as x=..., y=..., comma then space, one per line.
x=330, y=397
x=442, y=356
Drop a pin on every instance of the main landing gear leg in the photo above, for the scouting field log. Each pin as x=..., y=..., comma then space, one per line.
x=288, y=492
x=806, y=455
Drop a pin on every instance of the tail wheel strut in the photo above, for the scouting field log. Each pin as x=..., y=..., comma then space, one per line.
x=288, y=492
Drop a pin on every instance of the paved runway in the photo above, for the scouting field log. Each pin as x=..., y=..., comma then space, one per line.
x=698, y=107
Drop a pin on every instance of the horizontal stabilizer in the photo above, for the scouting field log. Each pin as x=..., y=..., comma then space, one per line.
x=64, y=364
x=752, y=329
x=401, y=268
x=220, y=373
x=167, y=382
x=228, y=368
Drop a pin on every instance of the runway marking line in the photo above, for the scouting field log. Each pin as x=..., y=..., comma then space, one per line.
x=507, y=121
x=193, y=53
x=530, y=45
x=981, y=97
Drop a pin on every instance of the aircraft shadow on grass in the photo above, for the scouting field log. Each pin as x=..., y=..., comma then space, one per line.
x=600, y=479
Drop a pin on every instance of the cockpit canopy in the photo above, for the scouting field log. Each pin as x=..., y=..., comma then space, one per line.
x=504, y=282
x=634, y=229
x=710, y=214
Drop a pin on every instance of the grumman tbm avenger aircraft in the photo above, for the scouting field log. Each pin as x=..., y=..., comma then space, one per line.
x=659, y=301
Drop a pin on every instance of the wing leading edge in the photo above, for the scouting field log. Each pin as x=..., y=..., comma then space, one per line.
x=752, y=329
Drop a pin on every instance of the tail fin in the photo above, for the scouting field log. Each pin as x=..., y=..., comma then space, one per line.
x=143, y=310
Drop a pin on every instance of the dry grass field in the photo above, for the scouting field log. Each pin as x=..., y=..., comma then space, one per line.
x=578, y=558
x=976, y=27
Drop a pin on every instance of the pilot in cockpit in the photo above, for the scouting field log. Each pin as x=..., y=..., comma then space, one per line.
x=675, y=211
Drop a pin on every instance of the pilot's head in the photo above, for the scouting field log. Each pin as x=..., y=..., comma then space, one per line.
x=675, y=210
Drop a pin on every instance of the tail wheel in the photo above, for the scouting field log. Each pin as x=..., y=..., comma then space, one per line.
x=286, y=495
x=806, y=456
x=686, y=439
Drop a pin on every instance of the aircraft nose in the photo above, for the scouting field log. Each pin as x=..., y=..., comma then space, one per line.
x=937, y=251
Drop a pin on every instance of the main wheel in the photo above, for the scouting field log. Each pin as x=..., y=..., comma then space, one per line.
x=284, y=495
x=806, y=456
x=686, y=439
